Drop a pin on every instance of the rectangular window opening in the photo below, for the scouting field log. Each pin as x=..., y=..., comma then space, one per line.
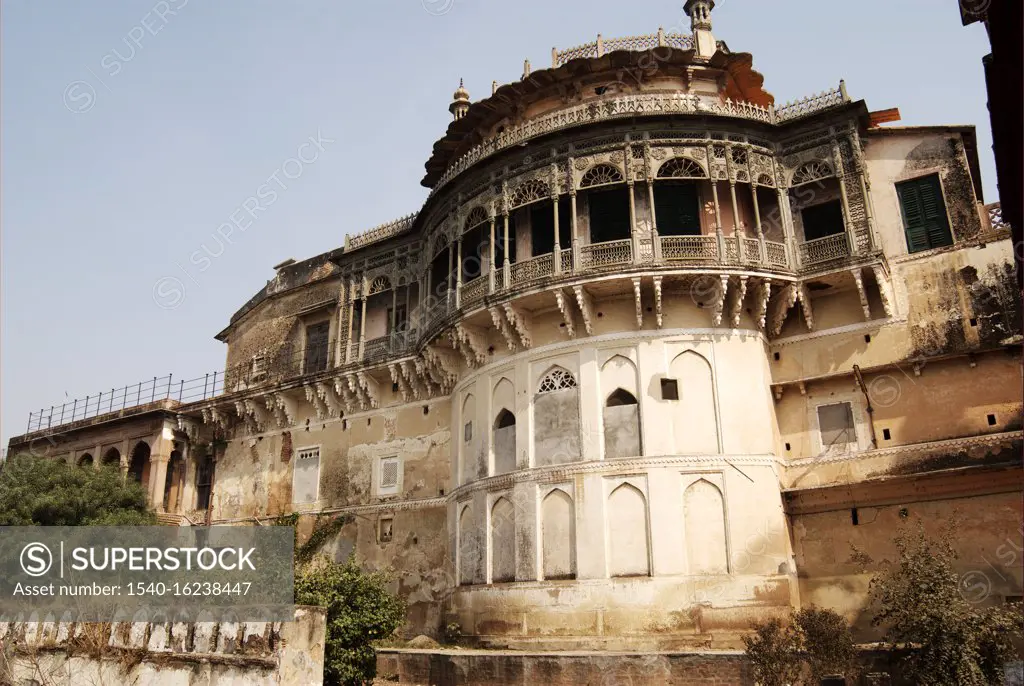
x=822, y=220
x=924, y=213
x=388, y=483
x=669, y=389
x=385, y=529
x=836, y=428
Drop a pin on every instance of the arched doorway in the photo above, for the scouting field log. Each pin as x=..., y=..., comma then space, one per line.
x=138, y=466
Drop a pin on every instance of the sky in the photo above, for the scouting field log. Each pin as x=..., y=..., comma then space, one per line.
x=133, y=129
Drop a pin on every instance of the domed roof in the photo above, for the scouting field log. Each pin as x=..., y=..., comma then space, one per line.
x=461, y=94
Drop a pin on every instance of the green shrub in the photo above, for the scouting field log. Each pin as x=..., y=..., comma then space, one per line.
x=826, y=641
x=50, y=492
x=773, y=650
x=360, y=611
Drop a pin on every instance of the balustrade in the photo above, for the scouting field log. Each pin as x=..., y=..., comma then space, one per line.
x=609, y=254
x=819, y=250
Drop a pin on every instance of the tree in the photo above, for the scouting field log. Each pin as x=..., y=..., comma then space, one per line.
x=827, y=642
x=946, y=639
x=49, y=492
x=773, y=650
x=360, y=611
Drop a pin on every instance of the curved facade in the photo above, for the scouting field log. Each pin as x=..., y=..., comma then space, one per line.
x=632, y=373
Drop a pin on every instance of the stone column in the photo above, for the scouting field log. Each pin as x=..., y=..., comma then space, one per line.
x=448, y=291
x=188, y=482
x=163, y=444
x=757, y=222
x=458, y=276
x=575, y=233
x=722, y=254
x=490, y=256
x=655, y=238
x=351, y=318
x=632, y=221
x=362, y=322
x=557, y=256
x=737, y=233
x=507, y=266
x=837, y=156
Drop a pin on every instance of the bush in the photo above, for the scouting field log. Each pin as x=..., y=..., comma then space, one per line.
x=773, y=650
x=360, y=611
x=49, y=492
x=950, y=640
x=826, y=641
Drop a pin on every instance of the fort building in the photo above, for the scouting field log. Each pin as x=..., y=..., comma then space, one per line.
x=654, y=354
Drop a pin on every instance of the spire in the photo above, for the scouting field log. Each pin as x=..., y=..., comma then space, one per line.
x=699, y=12
x=460, y=102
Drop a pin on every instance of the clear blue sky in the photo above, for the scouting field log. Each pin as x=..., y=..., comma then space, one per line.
x=180, y=127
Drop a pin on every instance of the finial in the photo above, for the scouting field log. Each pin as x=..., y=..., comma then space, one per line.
x=699, y=12
x=460, y=102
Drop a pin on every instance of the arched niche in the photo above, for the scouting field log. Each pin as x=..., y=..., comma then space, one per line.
x=503, y=535
x=556, y=418
x=704, y=519
x=628, y=549
x=695, y=419
x=558, y=534
x=621, y=409
x=111, y=458
x=85, y=460
x=471, y=460
x=138, y=466
x=467, y=550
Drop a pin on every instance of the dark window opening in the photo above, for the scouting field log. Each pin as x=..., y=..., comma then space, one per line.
x=886, y=434
x=609, y=214
x=822, y=220
x=974, y=321
x=439, y=273
x=499, y=240
x=504, y=419
x=204, y=483
x=867, y=338
x=776, y=357
x=542, y=228
x=991, y=420
x=787, y=446
x=620, y=397
x=854, y=517
x=669, y=389
x=474, y=251
x=316, y=347
x=677, y=208
x=924, y=214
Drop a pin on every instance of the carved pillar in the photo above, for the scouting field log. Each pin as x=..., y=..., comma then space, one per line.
x=448, y=290
x=632, y=220
x=362, y=322
x=788, y=230
x=737, y=232
x=865, y=190
x=458, y=275
x=394, y=310
x=557, y=257
x=837, y=161
x=655, y=238
x=490, y=258
x=757, y=222
x=507, y=266
x=575, y=233
x=160, y=455
x=351, y=318
x=408, y=312
x=722, y=255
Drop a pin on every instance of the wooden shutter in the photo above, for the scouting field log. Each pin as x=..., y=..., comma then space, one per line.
x=677, y=208
x=316, y=347
x=924, y=214
x=609, y=215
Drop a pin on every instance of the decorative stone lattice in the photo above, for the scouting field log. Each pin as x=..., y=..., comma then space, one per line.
x=527, y=192
x=681, y=168
x=557, y=379
x=600, y=175
x=812, y=171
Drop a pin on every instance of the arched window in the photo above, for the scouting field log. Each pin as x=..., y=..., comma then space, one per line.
x=811, y=171
x=556, y=380
x=681, y=168
x=476, y=216
x=529, y=191
x=504, y=442
x=556, y=413
x=467, y=550
x=111, y=457
x=601, y=175
x=621, y=425
x=85, y=460
x=704, y=513
x=138, y=468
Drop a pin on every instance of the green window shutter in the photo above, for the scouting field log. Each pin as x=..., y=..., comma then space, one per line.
x=924, y=214
x=677, y=208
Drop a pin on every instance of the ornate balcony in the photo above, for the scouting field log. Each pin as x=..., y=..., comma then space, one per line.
x=827, y=249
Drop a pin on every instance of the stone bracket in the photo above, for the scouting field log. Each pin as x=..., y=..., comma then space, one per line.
x=804, y=296
x=286, y=405
x=764, y=294
x=189, y=427
x=445, y=364
x=884, y=290
x=657, y=301
x=786, y=300
x=471, y=342
x=325, y=392
x=215, y=417
x=859, y=280
x=586, y=304
x=398, y=379
x=357, y=391
x=638, y=301
x=502, y=325
x=370, y=388
x=736, y=301
x=348, y=398
x=718, y=306
x=319, y=406
x=566, y=309
x=521, y=323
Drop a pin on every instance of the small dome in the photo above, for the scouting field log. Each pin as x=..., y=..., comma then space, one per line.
x=461, y=94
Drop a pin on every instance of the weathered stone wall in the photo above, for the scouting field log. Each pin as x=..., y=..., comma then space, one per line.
x=172, y=654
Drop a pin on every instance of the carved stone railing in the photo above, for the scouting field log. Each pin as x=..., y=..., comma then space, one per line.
x=567, y=260
x=609, y=254
x=694, y=249
x=528, y=270
x=379, y=233
x=603, y=46
x=834, y=247
x=377, y=349
x=776, y=255
x=811, y=104
x=751, y=251
x=732, y=251
x=618, y=107
x=473, y=291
